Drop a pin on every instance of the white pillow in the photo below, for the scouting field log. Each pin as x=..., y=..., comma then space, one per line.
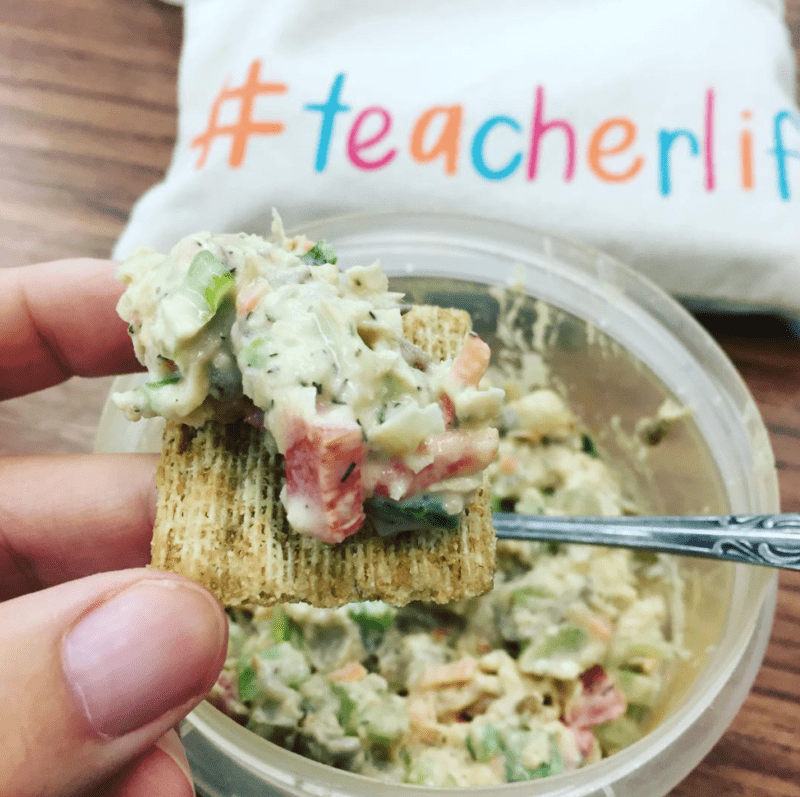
x=664, y=133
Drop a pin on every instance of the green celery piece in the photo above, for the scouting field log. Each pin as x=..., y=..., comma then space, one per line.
x=270, y=653
x=284, y=629
x=646, y=651
x=617, y=733
x=488, y=746
x=381, y=722
x=422, y=511
x=568, y=640
x=639, y=688
x=280, y=625
x=513, y=745
x=556, y=759
x=209, y=282
x=347, y=707
x=523, y=595
x=638, y=713
x=249, y=688
x=516, y=771
x=322, y=252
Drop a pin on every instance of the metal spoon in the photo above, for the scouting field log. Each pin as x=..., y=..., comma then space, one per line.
x=772, y=540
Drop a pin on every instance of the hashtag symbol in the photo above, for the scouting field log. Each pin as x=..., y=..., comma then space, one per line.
x=244, y=126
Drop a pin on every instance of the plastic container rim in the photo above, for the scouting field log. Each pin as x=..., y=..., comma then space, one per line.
x=608, y=276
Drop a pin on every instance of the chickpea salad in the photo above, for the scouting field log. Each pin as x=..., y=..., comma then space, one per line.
x=273, y=331
x=563, y=663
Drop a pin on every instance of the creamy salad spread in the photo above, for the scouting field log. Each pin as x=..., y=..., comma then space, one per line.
x=233, y=326
x=561, y=664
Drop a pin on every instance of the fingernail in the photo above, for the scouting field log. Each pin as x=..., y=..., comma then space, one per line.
x=148, y=649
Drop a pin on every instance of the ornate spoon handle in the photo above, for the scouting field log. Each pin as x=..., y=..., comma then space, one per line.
x=772, y=540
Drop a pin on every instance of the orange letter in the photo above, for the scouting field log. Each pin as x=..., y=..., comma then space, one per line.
x=746, y=150
x=446, y=144
x=597, y=150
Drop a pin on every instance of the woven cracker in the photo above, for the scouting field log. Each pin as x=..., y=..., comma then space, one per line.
x=220, y=521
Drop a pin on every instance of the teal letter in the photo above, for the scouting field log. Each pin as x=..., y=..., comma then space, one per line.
x=666, y=138
x=477, y=149
x=780, y=153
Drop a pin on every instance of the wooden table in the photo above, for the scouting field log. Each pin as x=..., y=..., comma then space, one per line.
x=87, y=92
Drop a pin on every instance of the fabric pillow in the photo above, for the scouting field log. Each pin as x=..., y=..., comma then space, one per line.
x=666, y=134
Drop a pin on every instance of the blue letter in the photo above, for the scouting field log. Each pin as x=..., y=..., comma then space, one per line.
x=780, y=153
x=666, y=138
x=477, y=149
x=329, y=109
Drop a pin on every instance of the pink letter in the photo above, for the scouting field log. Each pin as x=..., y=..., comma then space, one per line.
x=354, y=146
x=709, y=140
x=540, y=127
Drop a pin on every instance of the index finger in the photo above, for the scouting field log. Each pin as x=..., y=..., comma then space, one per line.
x=59, y=320
x=66, y=517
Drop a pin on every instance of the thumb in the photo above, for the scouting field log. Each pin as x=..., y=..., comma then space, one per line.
x=99, y=669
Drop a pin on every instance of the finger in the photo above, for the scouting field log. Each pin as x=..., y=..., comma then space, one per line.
x=100, y=669
x=66, y=517
x=59, y=320
x=162, y=771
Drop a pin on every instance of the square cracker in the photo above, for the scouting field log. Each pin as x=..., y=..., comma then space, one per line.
x=220, y=521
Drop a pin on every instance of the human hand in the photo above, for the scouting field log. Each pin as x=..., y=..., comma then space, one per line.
x=99, y=657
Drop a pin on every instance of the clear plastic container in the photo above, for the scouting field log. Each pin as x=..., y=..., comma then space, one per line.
x=616, y=347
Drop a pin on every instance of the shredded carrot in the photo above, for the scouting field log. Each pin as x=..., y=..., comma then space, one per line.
x=351, y=672
x=508, y=464
x=456, y=673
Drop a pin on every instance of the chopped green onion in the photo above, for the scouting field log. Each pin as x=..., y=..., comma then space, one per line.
x=350, y=468
x=507, y=504
x=423, y=511
x=372, y=622
x=172, y=379
x=149, y=390
x=588, y=446
x=319, y=254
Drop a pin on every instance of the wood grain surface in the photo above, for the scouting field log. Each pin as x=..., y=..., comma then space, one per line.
x=87, y=123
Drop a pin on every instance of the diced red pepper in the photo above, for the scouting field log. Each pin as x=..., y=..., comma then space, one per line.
x=468, y=367
x=323, y=465
x=448, y=410
x=593, y=677
x=601, y=700
x=472, y=361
